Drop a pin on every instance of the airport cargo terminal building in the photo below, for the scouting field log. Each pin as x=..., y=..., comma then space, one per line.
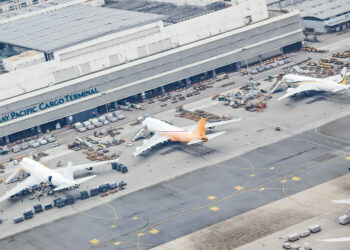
x=76, y=60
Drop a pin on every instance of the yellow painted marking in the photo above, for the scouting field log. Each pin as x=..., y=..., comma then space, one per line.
x=154, y=231
x=140, y=234
x=272, y=168
x=348, y=158
x=134, y=218
x=94, y=241
x=117, y=243
x=238, y=187
x=252, y=175
x=214, y=209
x=262, y=189
x=211, y=197
x=46, y=165
x=113, y=226
x=295, y=178
x=283, y=181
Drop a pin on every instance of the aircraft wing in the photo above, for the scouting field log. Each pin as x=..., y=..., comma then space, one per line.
x=213, y=124
x=27, y=183
x=299, y=89
x=85, y=166
x=147, y=144
x=337, y=239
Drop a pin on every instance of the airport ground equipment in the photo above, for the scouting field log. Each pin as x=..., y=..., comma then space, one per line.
x=122, y=185
x=344, y=219
x=69, y=200
x=305, y=234
x=94, y=192
x=293, y=237
x=59, y=202
x=28, y=214
x=315, y=228
x=120, y=167
x=104, y=188
x=38, y=208
x=84, y=195
x=307, y=246
x=18, y=219
x=113, y=186
x=48, y=206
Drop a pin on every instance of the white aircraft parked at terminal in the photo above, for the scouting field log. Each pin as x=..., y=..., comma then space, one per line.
x=164, y=132
x=304, y=83
x=60, y=178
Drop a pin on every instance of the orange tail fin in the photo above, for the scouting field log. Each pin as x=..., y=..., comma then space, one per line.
x=200, y=129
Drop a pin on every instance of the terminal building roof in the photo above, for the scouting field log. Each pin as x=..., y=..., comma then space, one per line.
x=322, y=9
x=174, y=13
x=64, y=27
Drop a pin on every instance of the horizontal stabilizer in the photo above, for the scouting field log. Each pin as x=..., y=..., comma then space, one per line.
x=81, y=180
x=12, y=175
x=208, y=137
x=71, y=184
x=63, y=186
x=212, y=136
x=194, y=141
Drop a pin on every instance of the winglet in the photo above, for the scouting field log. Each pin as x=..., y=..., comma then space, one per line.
x=200, y=129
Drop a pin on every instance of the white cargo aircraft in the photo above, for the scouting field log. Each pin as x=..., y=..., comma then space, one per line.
x=60, y=178
x=304, y=83
x=164, y=132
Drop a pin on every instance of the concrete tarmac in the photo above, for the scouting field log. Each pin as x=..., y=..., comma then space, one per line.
x=230, y=186
x=169, y=210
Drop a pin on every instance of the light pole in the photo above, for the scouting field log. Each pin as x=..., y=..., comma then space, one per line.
x=246, y=63
x=246, y=59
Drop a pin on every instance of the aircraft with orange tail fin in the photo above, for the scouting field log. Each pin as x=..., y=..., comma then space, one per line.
x=164, y=132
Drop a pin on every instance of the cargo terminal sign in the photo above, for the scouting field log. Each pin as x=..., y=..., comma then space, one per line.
x=47, y=105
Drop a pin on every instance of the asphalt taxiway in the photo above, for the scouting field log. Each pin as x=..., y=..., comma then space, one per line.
x=252, y=165
x=169, y=210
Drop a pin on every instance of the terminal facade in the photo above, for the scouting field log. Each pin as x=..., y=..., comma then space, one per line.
x=85, y=65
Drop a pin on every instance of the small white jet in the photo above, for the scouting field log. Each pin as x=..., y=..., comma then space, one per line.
x=60, y=178
x=164, y=132
x=304, y=83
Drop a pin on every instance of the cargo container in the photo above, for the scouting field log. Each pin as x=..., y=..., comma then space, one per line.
x=28, y=214
x=18, y=219
x=38, y=208
x=84, y=195
x=48, y=206
x=94, y=192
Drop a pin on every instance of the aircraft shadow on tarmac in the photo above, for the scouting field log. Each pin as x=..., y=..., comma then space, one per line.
x=171, y=147
x=317, y=96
